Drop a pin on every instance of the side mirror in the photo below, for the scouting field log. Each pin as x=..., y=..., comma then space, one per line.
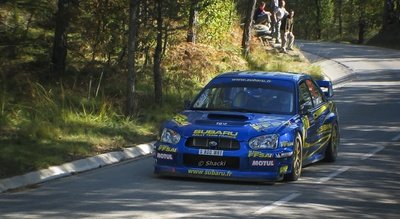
x=326, y=87
x=186, y=104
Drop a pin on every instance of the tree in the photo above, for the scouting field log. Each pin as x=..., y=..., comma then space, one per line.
x=158, y=55
x=361, y=22
x=133, y=28
x=339, y=16
x=59, y=56
x=191, y=35
x=318, y=19
x=247, y=28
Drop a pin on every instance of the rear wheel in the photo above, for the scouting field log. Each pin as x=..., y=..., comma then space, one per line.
x=332, y=149
x=297, y=161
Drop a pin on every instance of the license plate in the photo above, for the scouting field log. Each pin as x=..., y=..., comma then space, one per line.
x=211, y=152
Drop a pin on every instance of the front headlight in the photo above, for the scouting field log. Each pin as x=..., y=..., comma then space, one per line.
x=170, y=136
x=264, y=142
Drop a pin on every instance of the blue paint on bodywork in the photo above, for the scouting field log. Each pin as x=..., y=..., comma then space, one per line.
x=215, y=135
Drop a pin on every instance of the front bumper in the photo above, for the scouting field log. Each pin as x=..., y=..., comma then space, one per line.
x=243, y=164
x=217, y=174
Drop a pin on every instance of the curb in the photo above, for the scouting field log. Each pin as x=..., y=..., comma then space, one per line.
x=334, y=71
x=78, y=166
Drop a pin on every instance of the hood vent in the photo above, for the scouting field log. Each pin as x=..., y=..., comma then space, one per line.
x=231, y=117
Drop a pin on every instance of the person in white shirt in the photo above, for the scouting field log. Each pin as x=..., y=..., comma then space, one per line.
x=279, y=14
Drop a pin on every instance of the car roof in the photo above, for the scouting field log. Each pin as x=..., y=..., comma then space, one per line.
x=289, y=76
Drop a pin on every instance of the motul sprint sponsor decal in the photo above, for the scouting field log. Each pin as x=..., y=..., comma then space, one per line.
x=262, y=163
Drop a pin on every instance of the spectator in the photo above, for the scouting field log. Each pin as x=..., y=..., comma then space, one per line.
x=261, y=16
x=287, y=33
x=279, y=14
x=274, y=5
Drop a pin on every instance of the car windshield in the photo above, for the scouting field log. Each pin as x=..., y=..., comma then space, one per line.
x=246, y=98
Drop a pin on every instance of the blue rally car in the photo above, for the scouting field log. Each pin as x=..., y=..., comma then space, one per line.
x=255, y=126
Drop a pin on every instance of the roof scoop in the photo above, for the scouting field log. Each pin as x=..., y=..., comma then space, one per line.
x=229, y=117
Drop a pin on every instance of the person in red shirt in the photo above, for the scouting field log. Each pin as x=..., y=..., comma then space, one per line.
x=261, y=16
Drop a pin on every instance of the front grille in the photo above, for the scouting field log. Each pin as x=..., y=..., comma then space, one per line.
x=213, y=143
x=211, y=162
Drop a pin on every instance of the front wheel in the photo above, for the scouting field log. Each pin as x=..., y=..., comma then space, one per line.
x=332, y=149
x=297, y=161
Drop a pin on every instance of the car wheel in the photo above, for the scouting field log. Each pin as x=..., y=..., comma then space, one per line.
x=332, y=149
x=297, y=161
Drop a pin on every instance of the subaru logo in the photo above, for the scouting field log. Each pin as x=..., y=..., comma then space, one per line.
x=213, y=143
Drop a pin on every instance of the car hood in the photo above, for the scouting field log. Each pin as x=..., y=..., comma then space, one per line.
x=241, y=126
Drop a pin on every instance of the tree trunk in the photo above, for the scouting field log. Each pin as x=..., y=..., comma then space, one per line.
x=361, y=23
x=191, y=35
x=157, y=56
x=398, y=10
x=340, y=18
x=318, y=19
x=133, y=26
x=247, y=28
x=387, y=14
x=59, y=55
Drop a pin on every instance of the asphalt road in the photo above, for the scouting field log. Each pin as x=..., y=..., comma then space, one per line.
x=363, y=183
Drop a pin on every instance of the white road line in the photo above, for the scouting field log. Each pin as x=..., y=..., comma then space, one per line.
x=276, y=204
x=396, y=138
x=372, y=153
x=334, y=174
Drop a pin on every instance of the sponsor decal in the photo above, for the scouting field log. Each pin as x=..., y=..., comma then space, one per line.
x=260, y=126
x=209, y=172
x=306, y=125
x=211, y=152
x=166, y=148
x=286, y=143
x=258, y=154
x=214, y=133
x=262, y=163
x=321, y=110
x=181, y=120
x=264, y=124
x=283, y=169
x=210, y=163
x=284, y=154
x=164, y=156
x=324, y=128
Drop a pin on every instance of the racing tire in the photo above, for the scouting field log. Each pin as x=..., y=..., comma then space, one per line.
x=332, y=149
x=296, y=165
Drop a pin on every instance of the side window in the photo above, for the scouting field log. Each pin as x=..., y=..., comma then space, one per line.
x=305, y=100
x=315, y=93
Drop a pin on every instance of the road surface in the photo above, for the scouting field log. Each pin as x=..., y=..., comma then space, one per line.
x=363, y=183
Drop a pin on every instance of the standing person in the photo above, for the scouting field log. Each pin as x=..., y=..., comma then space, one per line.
x=280, y=14
x=261, y=16
x=287, y=33
x=274, y=5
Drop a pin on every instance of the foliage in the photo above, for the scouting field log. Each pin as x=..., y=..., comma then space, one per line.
x=307, y=23
x=216, y=21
